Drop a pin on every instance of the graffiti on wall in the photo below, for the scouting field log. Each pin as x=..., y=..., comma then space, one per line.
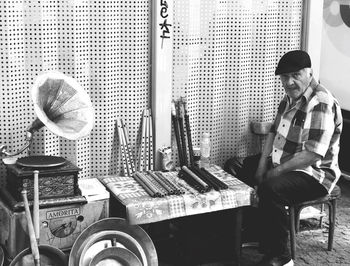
x=164, y=26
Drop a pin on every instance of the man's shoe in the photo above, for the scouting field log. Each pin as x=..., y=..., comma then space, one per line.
x=276, y=261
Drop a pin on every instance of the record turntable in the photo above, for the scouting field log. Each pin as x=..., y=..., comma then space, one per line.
x=58, y=177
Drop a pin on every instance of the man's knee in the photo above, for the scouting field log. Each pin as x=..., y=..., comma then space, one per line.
x=245, y=170
x=268, y=188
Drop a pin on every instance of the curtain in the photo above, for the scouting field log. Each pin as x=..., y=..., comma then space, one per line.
x=224, y=57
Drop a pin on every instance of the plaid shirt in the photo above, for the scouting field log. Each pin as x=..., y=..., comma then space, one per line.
x=314, y=124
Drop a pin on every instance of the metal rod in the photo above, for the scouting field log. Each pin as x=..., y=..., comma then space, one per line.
x=146, y=141
x=182, y=132
x=188, y=131
x=200, y=181
x=128, y=146
x=121, y=144
x=161, y=192
x=164, y=185
x=212, y=177
x=125, y=149
x=142, y=143
x=31, y=232
x=36, y=205
x=150, y=122
x=176, y=132
x=174, y=186
x=149, y=184
x=144, y=185
x=28, y=141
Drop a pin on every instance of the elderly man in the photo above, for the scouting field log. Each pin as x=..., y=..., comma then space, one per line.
x=303, y=144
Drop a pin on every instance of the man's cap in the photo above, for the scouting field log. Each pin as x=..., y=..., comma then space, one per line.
x=293, y=61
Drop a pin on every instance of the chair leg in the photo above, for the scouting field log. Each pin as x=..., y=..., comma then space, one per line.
x=297, y=218
x=321, y=218
x=332, y=214
x=292, y=230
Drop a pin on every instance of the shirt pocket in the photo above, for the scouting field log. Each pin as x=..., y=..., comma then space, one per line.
x=296, y=129
x=299, y=119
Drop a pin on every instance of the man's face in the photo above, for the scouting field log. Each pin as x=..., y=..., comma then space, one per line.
x=295, y=83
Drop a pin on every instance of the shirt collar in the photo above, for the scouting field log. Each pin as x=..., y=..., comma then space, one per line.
x=310, y=89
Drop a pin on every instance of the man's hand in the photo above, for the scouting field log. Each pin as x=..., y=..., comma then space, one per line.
x=260, y=173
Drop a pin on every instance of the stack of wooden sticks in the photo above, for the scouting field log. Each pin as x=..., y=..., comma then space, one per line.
x=144, y=153
x=156, y=184
x=198, y=178
x=125, y=147
x=145, y=142
x=182, y=131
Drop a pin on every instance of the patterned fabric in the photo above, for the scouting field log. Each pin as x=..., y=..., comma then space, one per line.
x=141, y=208
x=314, y=123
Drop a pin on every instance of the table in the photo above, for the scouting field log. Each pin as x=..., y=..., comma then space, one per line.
x=143, y=209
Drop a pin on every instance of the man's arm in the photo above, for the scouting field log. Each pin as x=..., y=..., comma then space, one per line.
x=263, y=163
x=300, y=160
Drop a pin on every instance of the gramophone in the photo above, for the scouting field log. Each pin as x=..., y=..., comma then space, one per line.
x=62, y=105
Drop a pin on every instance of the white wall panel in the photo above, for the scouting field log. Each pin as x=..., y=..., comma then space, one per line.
x=104, y=45
x=224, y=57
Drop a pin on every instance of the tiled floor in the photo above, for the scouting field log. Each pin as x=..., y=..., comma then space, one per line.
x=214, y=249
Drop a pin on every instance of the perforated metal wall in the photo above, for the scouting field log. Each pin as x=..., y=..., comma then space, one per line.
x=224, y=59
x=224, y=54
x=104, y=45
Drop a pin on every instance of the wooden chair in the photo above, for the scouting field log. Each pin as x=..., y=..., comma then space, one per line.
x=294, y=216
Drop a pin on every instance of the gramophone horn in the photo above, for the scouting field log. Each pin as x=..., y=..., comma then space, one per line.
x=62, y=105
